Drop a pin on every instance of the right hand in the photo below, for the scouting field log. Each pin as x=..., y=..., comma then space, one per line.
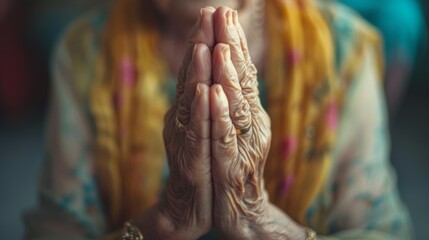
x=187, y=204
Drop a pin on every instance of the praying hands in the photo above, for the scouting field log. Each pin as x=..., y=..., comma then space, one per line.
x=217, y=137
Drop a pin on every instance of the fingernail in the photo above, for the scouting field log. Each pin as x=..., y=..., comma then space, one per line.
x=203, y=12
x=194, y=51
x=221, y=94
x=218, y=89
x=198, y=90
x=235, y=17
x=210, y=9
x=200, y=19
x=226, y=54
x=229, y=18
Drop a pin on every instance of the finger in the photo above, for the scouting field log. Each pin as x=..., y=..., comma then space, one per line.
x=197, y=142
x=226, y=32
x=202, y=32
x=199, y=71
x=223, y=135
x=225, y=74
x=229, y=31
x=249, y=80
x=243, y=39
x=198, y=129
x=197, y=163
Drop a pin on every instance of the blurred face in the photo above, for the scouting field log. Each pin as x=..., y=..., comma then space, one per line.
x=185, y=12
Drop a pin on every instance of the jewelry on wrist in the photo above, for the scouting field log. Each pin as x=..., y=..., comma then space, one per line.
x=310, y=234
x=131, y=232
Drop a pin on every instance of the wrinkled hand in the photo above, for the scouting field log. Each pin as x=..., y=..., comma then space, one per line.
x=237, y=160
x=187, y=204
x=241, y=206
x=216, y=174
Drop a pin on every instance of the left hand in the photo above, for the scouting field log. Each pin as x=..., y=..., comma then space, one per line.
x=241, y=206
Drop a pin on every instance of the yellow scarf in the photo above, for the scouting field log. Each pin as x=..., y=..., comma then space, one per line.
x=128, y=103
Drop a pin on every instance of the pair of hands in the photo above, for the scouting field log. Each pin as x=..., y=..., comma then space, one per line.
x=216, y=174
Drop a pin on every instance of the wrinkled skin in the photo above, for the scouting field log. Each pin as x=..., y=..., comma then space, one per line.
x=237, y=161
x=189, y=193
x=216, y=175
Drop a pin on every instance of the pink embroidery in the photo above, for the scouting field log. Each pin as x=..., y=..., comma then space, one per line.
x=128, y=72
x=286, y=184
x=288, y=146
x=294, y=56
x=331, y=116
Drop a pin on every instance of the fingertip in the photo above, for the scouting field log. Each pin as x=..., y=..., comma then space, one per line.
x=203, y=30
x=200, y=104
x=202, y=89
x=201, y=94
x=226, y=53
x=222, y=134
x=201, y=67
x=235, y=18
x=222, y=51
x=224, y=20
x=221, y=12
x=194, y=51
x=218, y=90
x=223, y=68
x=214, y=91
x=200, y=51
x=198, y=90
x=218, y=102
x=208, y=9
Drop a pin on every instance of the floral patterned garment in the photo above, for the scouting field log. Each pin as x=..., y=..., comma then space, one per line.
x=359, y=201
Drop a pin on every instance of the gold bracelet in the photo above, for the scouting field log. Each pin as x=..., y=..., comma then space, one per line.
x=131, y=232
x=310, y=234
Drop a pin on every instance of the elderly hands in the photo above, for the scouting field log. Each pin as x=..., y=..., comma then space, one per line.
x=217, y=137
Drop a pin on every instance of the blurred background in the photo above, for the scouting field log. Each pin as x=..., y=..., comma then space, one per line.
x=29, y=30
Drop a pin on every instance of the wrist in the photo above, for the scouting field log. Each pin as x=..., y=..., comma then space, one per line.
x=271, y=224
x=285, y=224
x=151, y=224
x=157, y=223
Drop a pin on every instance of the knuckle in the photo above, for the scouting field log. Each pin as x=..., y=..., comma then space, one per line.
x=229, y=137
x=262, y=120
x=232, y=36
x=224, y=120
x=193, y=141
x=194, y=136
x=169, y=115
x=180, y=87
x=225, y=150
x=249, y=82
x=236, y=178
x=182, y=74
x=229, y=77
x=240, y=66
x=192, y=167
x=241, y=115
x=183, y=111
x=251, y=74
x=173, y=151
x=169, y=130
